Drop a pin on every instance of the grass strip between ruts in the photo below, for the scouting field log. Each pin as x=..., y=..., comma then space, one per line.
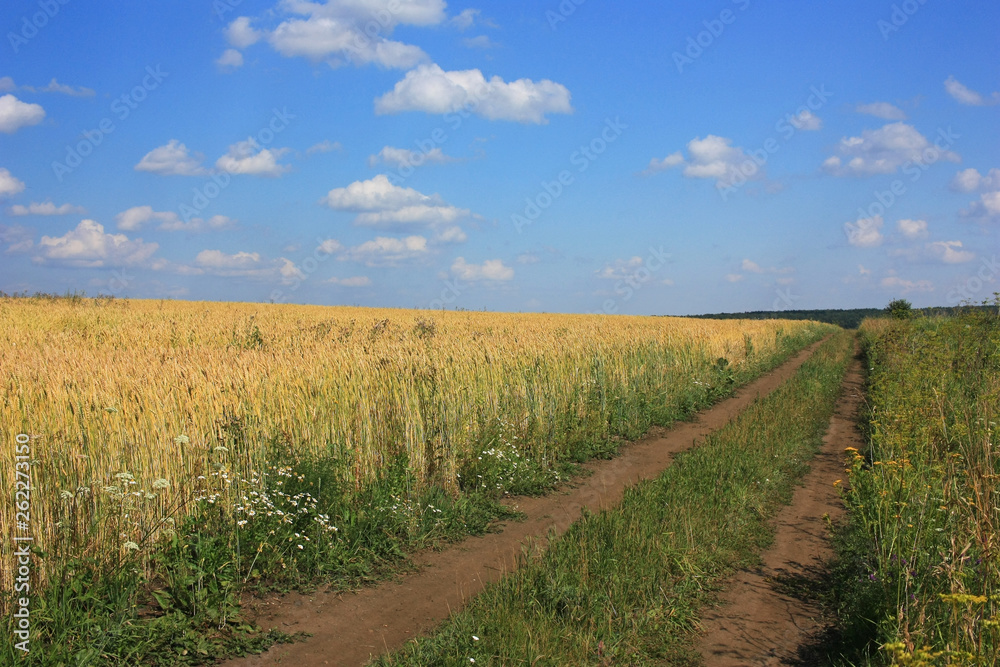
x=625, y=586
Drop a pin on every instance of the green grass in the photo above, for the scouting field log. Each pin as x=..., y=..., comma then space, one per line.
x=918, y=571
x=96, y=612
x=625, y=586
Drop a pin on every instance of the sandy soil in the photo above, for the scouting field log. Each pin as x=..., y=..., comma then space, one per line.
x=767, y=616
x=350, y=627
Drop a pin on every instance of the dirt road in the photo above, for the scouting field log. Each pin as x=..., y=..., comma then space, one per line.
x=348, y=628
x=765, y=618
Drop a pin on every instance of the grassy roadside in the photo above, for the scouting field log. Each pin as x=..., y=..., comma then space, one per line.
x=624, y=586
x=301, y=522
x=918, y=577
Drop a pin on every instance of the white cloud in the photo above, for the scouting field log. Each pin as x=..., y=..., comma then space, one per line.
x=45, y=208
x=137, y=217
x=712, y=157
x=964, y=95
x=669, y=162
x=913, y=229
x=896, y=283
x=242, y=159
x=230, y=60
x=15, y=114
x=325, y=146
x=863, y=271
x=466, y=19
x=402, y=157
x=950, y=252
x=88, y=246
x=172, y=159
x=620, y=269
x=16, y=238
x=431, y=89
x=881, y=110
x=864, y=232
x=491, y=269
x=56, y=87
x=379, y=203
x=9, y=184
x=330, y=246
x=734, y=277
x=528, y=258
x=241, y=34
x=807, y=120
x=967, y=180
x=883, y=151
x=376, y=194
x=453, y=234
x=479, y=42
x=216, y=259
x=387, y=251
x=988, y=206
x=356, y=281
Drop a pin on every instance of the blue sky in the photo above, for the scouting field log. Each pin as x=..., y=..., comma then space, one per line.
x=581, y=156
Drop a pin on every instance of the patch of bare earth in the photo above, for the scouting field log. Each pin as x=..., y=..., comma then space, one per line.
x=349, y=628
x=767, y=615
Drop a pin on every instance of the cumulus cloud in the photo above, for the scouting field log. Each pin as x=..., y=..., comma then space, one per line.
x=528, y=258
x=88, y=246
x=669, y=162
x=138, y=216
x=490, y=270
x=864, y=232
x=988, y=207
x=431, y=89
x=17, y=238
x=45, y=208
x=913, y=229
x=325, y=146
x=246, y=157
x=230, y=60
x=56, y=87
x=387, y=251
x=172, y=159
x=964, y=95
x=351, y=32
x=884, y=151
x=379, y=203
x=465, y=19
x=946, y=252
x=220, y=261
x=402, y=157
x=882, y=110
x=897, y=284
x=807, y=120
x=713, y=157
x=620, y=269
x=9, y=184
x=734, y=277
x=241, y=34
x=15, y=114
x=479, y=42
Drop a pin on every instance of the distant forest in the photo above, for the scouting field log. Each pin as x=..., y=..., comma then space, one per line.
x=848, y=319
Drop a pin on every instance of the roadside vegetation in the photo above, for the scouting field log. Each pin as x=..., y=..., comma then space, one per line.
x=186, y=454
x=626, y=585
x=918, y=576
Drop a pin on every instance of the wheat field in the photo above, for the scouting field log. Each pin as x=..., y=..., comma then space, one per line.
x=140, y=406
